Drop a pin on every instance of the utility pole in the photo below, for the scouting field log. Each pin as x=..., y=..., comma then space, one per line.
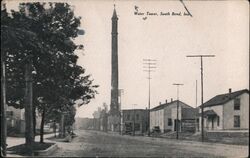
x=202, y=108
x=177, y=112
x=149, y=66
x=3, y=97
x=3, y=107
x=134, y=120
x=29, y=132
x=196, y=94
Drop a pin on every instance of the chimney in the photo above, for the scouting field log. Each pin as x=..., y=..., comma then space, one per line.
x=230, y=91
x=166, y=101
x=171, y=100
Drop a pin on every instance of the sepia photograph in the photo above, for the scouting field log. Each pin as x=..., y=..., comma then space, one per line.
x=125, y=78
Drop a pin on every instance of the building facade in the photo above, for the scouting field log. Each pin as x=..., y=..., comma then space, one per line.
x=228, y=111
x=135, y=121
x=15, y=118
x=161, y=116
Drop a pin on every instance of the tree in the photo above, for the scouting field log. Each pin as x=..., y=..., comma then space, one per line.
x=58, y=81
x=15, y=39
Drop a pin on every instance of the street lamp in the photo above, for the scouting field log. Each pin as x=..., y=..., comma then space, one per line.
x=177, y=112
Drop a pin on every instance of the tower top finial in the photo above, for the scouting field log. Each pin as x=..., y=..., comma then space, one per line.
x=114, y=12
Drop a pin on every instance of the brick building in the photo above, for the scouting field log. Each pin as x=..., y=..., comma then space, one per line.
x=135, y=121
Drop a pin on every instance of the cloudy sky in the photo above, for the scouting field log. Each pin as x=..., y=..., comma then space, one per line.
x=217, y=27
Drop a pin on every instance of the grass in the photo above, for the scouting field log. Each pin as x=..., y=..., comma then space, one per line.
x=24, y=150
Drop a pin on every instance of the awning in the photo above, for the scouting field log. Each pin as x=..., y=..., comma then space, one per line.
x=209, y=113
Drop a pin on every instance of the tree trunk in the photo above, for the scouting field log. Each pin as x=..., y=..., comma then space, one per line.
x=3, y=108
x=29, y=135
x=34, y=121
x=42, y=126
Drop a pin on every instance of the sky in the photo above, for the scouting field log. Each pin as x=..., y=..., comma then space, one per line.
x=219, y=28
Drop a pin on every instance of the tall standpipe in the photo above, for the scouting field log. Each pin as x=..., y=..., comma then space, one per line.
x=114, y=113
x=114, y=76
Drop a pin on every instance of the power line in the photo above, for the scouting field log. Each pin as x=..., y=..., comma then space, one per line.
x=149, y=66
x=202, y=109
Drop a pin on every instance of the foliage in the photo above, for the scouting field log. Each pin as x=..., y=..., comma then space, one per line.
x=45, y=33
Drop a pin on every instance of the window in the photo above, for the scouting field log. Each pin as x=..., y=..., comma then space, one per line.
x=237, y=104
x=236, y=121
x=218, y=121
x=137, y=127
x=169, y=122
x=137, y=116
x=9, y=113
x=128, y=117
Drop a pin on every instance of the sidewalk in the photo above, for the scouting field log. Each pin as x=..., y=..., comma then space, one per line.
x=13, y=141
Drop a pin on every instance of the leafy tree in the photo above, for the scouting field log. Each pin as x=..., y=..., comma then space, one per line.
x=59, y=82
x=16, y=39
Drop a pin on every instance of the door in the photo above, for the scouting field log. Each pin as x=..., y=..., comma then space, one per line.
x=212, y=122
x=175, y=125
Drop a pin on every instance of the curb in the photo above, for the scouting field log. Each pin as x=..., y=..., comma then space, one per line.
x=46, y=152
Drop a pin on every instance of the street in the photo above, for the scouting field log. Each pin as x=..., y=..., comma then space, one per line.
x=95, y=143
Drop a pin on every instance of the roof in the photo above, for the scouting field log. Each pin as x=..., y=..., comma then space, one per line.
x=224, y=98
x=114, y=14
x=162, y=106
x=129, y=110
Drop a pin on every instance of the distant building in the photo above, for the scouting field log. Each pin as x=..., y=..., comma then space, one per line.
x=227, y=111
x=161, y=116
x=135, y=120
x=83, y=123
x=15, y=118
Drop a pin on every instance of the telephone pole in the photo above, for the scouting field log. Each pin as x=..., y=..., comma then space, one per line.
x=134, y=120
x=149, y=66
x=196, y=89
x=3, y=107
x=202, y=109
x=177, y=112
